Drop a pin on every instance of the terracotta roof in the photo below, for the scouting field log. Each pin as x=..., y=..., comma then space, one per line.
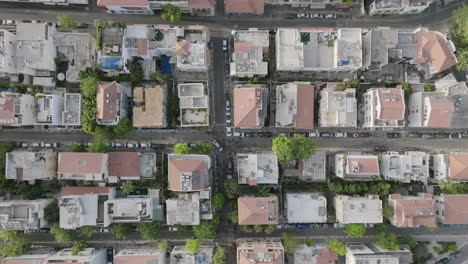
x=142, y=45
x=418, y=211
x=124, y=164
x=366, y=165
x=305, y=106
x=246, y=106
x=256, y=210
x=327, y=256
x=84, y=190
x=201, y=4
x=392, y=104
x=244, y=6
x=194, y=168
x=23, y=260
x=182, y=47
x=431, y=48
x=137, y=259
x=7, y=111
x=108, y=101
x=122, y=3
x=456, y=209
x=442, y=110
x=242, y=46
x=458, y=166
x=80, y=163
x=257, y=256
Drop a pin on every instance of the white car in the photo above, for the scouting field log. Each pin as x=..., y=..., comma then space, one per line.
x=225, y=45
x=340, y=134
x=228, y=131
x=314, y=134
x=228, y=118
x=217, y=146
x=133, y=145
x=173, y=229
x=145, y=145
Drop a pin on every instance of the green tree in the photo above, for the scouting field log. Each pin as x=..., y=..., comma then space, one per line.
x=290, y=243
x=88, y=86
x=246, y=228
x=231, y=187
x=123, y=127
x=429, y=87
x=102, y=134
x=87, y=231
x=406, y=87
x=88, y=115
x=450, y=246
x=160, y=77
x=202, y=148
x=269, y=229
x=98, y=147
x=149, y=230
x=257, y=228
x=205, y=230
x=309, y=242
x=462, y=56
x=171, y=13
x=128, y=187
x=460, y=23
x=432, y=229
x=219, y=256
x=303, y=147
x=263, y=191
x=355, y=230
x=78, y=246
x=352, y=83
x=181, y=149
x=409, y=240
x=218, y=201
x=387, y=211
x=253, y=80
x=234, y=217
x=52, y=213
x=183, y=228
x=75, y=147
x=65, y=22
x=387, y=241
x=15, y=244
x=282, y=146
x=337, y=246
x=163, y=245
x=61, y=235
x=136, y=72
x=121, y=231
x=192, y=245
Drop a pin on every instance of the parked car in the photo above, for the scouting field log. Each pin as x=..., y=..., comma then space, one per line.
x=230, y=164
x=25, y=145
x=427, y=136
x=217, y=146
x=120, y=144
x=340, y=134
x=229, y=176
x=326, y=134
x=249, y=134
x=35, y=145
x=228, y=118
x=302, y=226
x=225, y=45
x=455, y=135
x=314, y=134
x=301, y=15
x=173, y=229
x=380, y=148
x=267, y=134
x=145, y=145
x=237, y=134
x=455, y=254
x=413, y=135
x=443, y=261
x=104, y=230
x=2, y=22
x=441, y=135
x=315, y=16
x=228, y=105
x=133, y=145
x=228, y=131
x=10, y=22
x=393, y=135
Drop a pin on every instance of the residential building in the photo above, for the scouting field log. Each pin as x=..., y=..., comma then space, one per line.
x=31, y=51
x=357, y=167
x=88, y=256
x=35, y=256
x=314, y=168
x=250, y=106
x=82, y=166
x=306, y=208
x=134, y=7
x=253, y=7
x=383, y=108
x=254, y=250
x=257, y=168
x=313, y=4
x=140, y=256
x=358, y=210
x=83, y=206
x=397, y=7
x=338, y=106
x=452, y=209
x=123, y=166
x=71, y=115
x=373, y=254
x=192, y=53
x=134, y=209
x=434, y=53
x=51, y=2
x=188, y=172
x=316, y=254
x=31, y=166
x=193, y=104
x=24, y=215
x=413, y=211
x=180, y=255
x=452, y=166
x=202, y=7
x=295, y=105
x=407, y=167
x=49, y=109
x=250, y=56
x=183, y=210
x=150, y=108
x=16, y=109
x=258, y=210
x=111, y=104
x=318, y=49
x=147, y=7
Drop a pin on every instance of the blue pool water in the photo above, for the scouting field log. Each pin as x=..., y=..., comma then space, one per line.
x=110, y=62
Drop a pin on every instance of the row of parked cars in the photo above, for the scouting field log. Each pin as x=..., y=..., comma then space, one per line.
x=38, y=144
x=307, y=15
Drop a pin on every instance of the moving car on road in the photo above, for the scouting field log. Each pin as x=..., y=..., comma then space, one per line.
x=217, y=146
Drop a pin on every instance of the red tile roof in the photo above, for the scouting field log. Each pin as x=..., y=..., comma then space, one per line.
x=305, y=106
x=456, y=209
x=392, y=104
x=419, y=211
x=182, y=47
x=366, y=165
x=138, y=3
x=327, y=256
x=80, y=163
x=124, y=164
x=83, y=190
x=7, y=111
x=458, y=169
x=108, y=101
x=257, y=255
x=246, y=103
x=142, y=45
x=441, y=114
x=201, y=4
x=256, y=210
x=431, y=48
x=195, y=168
x=244, y=6
x=242, y=47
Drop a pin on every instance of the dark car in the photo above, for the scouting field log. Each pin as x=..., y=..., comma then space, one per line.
x=393, y=135
x=230, y=165
x=443, y=261
x=380, y=148
x=326, y=134
x=267, y=134
x=302, y=226
x=249, y=134
x=441, y=135
x=365, y=134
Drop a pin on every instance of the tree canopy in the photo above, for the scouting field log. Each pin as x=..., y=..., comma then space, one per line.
x=282, y=146
x=65, y=22
x=98, y=147
x=61, y=235
x=88, y=86
x=218, y=201
x=171, y=13
x=163, y=245
x=231, y=188
x=355, y=230
x=159, y=77
x=181, y=148
x=337, y=246
x=149, y=230
x=78, y=246
x=15, y=243
x=387, y=211
x=202, y=148
x=87, y=231
x=52, y=213
x=205, y=230
x=290, y=243
x=192, y=245
x=121, y=231
x=298, y=147
x=219, y=256
x=352, y=83
x=128, y=187
x=123, y=127
x=75, y=147
x=387, y=241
